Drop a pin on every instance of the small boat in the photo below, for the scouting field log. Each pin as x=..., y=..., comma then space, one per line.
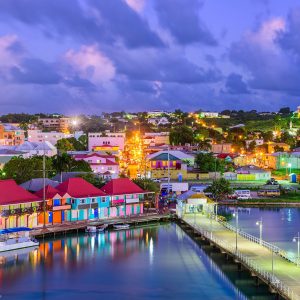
x=91, y=229
x=16, y=238
x=121, y=226
x=101, y=228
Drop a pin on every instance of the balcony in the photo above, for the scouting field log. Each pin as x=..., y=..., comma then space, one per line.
x=61, y=207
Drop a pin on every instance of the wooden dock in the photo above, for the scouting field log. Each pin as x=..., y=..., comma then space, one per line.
x=71, y=227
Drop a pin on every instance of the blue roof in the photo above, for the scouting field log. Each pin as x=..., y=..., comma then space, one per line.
x=13, y=230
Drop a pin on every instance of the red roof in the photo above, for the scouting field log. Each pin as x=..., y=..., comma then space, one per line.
x=121, y=186
x=224, y=155
x=79, y=188
x=50, y=192
x=11, y=193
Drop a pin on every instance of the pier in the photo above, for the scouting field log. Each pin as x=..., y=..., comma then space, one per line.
x=69, y=227
x=267, y=262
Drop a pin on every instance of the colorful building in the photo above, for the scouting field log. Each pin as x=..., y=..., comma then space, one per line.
x=101, y=164
x=18, y=207
x=87, y=202
x=57, y=207
x=126, y=197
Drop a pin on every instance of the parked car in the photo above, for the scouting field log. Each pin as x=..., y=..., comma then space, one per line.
x=164, y=179
x=268, y=193
x=243, y=194
x=156, y=180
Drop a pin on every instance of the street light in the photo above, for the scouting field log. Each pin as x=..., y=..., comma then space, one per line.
x=260, y=224
x=236, y=215
x=297, y=239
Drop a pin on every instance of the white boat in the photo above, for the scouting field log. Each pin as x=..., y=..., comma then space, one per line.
x=16, y=238
x=101, y=228
x=91, y=229
x=121, y=226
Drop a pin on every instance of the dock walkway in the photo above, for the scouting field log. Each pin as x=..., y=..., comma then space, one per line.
x=279, y=273
x=66, y=227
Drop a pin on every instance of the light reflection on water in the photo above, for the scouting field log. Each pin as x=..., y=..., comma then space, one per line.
x=280, y=225
x=157, y=262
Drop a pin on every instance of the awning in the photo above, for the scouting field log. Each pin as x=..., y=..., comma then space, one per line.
x=13, y=230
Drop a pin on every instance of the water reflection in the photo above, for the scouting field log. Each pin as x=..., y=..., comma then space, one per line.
x=160, y=262
x=280, y=225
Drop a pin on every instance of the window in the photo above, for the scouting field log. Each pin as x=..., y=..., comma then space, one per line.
x=82, y=201
x=93, y=200
x=103, y=199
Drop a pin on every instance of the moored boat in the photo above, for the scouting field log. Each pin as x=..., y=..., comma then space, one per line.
x=16, y=238
x=91, y=229
x=121, y=226
x=101, y=228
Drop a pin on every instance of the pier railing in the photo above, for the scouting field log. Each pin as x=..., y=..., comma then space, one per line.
x=284, y=254
x=269, y=278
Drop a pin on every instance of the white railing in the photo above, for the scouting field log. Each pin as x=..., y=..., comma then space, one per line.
x=284, y=254
x=252, y=265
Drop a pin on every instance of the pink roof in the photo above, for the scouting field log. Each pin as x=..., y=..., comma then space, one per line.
x=50, y=192
x=121, y=186
x=107, y=163
x=11, y=193
x=79, y=188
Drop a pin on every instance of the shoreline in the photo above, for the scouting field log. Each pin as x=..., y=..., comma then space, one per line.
x=261, y=204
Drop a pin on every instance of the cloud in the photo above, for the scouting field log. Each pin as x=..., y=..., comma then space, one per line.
x=235, y=84
x=35, y=71
x=163, y=66
x=269, y=65
x=90, y=63
x=10, y=53
x=136, y=5
x=90, y=21
x=181, y=19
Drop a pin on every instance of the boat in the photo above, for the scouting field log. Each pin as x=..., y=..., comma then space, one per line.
x=121, y=226
x=101, y=228
x=16, y=238
x=91, y=229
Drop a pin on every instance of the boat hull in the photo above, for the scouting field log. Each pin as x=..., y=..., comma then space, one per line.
x=5, y=248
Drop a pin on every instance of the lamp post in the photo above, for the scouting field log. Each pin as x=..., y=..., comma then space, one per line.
x=260, y=224
x=236, y=215
x=297, y=239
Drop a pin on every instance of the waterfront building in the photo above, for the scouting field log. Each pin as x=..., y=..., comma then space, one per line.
x=11, y=134
x=252, y=172
x=87, y=202
x=57, y=207
x=127, y=198
x=18, y=207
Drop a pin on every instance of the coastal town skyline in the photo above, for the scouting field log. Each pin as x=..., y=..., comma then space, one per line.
x=128, y=55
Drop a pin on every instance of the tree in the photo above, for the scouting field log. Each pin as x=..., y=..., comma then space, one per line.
x=64, y=145
x=285, y=111
x=65, y=163
x=181, y=135
x=219, y=189
x=206, y=162
x=94, y=180
x=23, y=169
x=147, y=184
x=252, y=146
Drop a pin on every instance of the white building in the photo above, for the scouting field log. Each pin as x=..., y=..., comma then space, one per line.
x=208, y=114
x=104, y=165
x=156, y=138
x=258, y=142
x=38, y=136
x=158, y=121
x=33, y=148
x=113, y=140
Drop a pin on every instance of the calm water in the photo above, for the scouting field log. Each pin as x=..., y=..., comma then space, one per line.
x=280, y=225
x=158, y=262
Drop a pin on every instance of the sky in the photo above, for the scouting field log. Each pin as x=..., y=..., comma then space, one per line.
x=91, y=56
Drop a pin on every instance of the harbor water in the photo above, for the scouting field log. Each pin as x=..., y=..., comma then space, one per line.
x=154, y=262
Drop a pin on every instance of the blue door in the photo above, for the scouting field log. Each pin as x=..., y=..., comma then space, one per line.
x=50, y=217
x=56, y=202
x=96, y=213
x=62, y=215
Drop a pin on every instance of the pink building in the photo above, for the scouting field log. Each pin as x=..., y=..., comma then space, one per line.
x=104, y=165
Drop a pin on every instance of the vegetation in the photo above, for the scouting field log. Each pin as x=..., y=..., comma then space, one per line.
x=181, y=135
x=23, y=169
x=219, y=189
x=72, y=144
x=206, y=162
x=147, y=185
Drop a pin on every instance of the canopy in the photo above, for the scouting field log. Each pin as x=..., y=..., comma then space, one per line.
x=13, y=230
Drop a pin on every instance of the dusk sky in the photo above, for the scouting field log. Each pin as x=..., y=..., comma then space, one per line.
x=90, y=56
